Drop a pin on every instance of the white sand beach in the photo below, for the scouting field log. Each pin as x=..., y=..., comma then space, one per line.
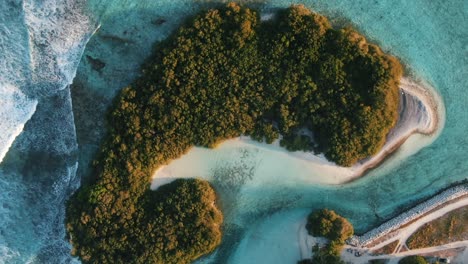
x=421, y=119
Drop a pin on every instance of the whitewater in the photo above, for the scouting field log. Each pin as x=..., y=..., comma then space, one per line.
x=41, y=44
x=63, y=61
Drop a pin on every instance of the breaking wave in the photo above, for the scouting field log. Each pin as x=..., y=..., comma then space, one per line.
x=41, y=44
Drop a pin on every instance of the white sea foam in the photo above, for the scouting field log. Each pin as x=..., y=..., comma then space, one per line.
x=58, y=33
x=7, y=254
x=15, y=110
x=41, y=44
x=15, y=63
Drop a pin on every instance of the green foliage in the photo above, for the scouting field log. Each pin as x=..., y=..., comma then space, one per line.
x=412, y=260
x=176, y=224
x=330, y=254
x=222, y=75
x=295, y=142
x=330, y=81
x=326, y=223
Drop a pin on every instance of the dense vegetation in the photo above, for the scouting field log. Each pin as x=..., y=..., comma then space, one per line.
x=176, y=224
x=221, y=75
x=412, y=260
x=449, y=228
x=328, y=224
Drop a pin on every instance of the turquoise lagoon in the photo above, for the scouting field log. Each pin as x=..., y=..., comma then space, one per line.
x=430, y=37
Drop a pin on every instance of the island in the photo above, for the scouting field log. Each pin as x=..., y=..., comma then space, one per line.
x=335, y=229
x=223, y=74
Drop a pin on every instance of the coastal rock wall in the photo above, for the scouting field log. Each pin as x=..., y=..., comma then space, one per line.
x=410, y=215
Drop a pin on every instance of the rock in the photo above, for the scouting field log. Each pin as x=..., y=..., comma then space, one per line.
x=410, y=215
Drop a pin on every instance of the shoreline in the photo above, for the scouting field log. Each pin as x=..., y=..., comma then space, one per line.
x=410, y=205
x=441, y=199
x=435, y=114
x=434, y=110
x=421, y=113
x=448, y=199
x=306, y=241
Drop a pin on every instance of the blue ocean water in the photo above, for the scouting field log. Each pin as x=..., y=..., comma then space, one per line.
x=38, y=172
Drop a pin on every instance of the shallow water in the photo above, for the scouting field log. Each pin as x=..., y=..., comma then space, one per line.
x=429, y=36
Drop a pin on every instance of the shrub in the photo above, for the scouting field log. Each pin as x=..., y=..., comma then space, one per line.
x=326, y=223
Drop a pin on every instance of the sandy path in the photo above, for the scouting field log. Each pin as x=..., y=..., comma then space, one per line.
x=402, y=236
x=394, y=258
x=404, y=233
x=409, y=230
x=421, y=251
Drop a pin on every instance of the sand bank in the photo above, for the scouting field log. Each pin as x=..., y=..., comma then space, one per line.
x=421, y=118
x=306, y=241
x=421, y=111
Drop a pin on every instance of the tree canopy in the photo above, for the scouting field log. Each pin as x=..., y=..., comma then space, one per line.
x=326, y=223
x=176, y=224
x=221, y=75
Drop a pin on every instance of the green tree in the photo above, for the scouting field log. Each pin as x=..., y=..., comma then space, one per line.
x=326, y=223
x=221, y=75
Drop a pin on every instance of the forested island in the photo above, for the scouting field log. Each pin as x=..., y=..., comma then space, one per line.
x=221, y=75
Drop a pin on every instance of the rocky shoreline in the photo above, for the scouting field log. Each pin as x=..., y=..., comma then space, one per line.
x=410, y=215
